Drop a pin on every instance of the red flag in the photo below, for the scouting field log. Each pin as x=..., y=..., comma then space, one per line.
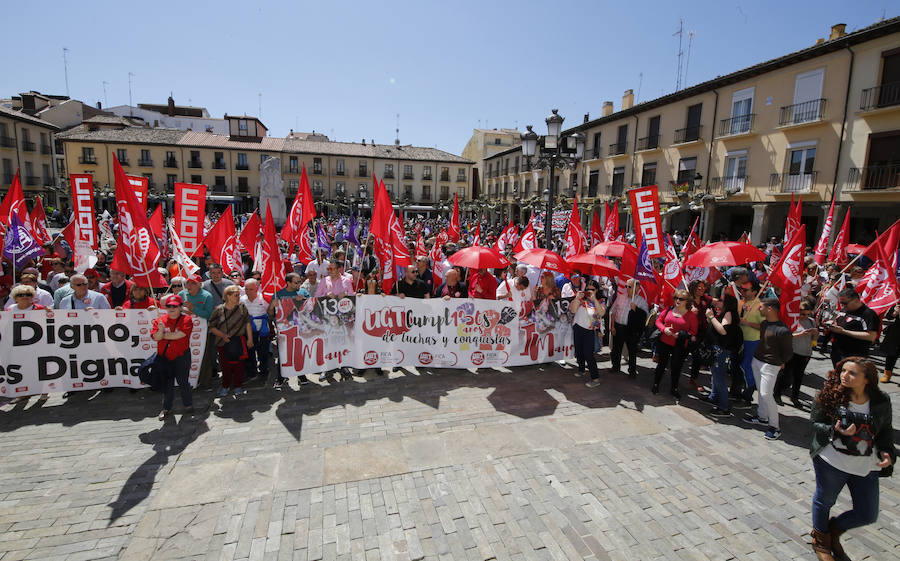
x=222, y=243
x=575, y=236
x=672, y=276
x=596, y=230
x=453, y=230
x=68, y=234
x=185, y=263
x=141, y=188
x=14, y=203
x=38, y=223
x=615, y=212
x=878, y=288
x=190, y=215
x=612, y=222
x=476, y=235
x=528, y=239
x=302, y=212
x=380, y=224
x=888, y=240
x=509, y=236
x=380, y=228
x=788, y=270
x=305, y=252
x=272, y=272
x=156, y=222
x=137, y=251
x=398, y=241
x=647, y=221
x=822, y=246
x=420, y=247
x=795, y=213
x=745, y=238
x=838, y=252
x=250, y=233
x=692, y=243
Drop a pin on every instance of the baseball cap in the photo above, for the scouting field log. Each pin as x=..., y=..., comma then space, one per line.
x=91, y=273
x=174, y=299
x=194, y=278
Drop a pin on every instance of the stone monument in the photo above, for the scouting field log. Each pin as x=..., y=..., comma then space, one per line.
x=271, y=191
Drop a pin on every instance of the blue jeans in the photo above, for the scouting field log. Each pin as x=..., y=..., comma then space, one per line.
x=829, y=483
x=584, y=349
x=257, y=363
x=747, y=366
x=179, y=369
x=719, y=370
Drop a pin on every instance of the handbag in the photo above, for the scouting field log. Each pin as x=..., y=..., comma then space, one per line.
x=235, y=349
x=153, y=371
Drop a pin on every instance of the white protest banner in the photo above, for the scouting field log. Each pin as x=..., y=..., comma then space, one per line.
x=316, y=335
x=72, y=350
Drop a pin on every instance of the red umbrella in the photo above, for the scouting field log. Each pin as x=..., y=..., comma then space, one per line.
x=856, y=249
x=544, y=259
x=594, y=265
x=721, y=254
x=613, y=249
x=477, y=257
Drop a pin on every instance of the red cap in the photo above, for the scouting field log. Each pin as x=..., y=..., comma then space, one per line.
x=91, y=273
x=173, y=299
x=194, y=278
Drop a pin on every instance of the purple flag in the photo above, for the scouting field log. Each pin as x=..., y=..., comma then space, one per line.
x=643, y=271
x=351, y=235
x=20, y=247
x=322, y=240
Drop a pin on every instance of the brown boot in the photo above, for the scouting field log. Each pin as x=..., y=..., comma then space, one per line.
x=836, y=548
x=822, y=545
x=887, y=376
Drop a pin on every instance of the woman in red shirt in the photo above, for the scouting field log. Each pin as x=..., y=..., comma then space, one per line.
x=139, y=299
x=678, y=327
x=172, y=334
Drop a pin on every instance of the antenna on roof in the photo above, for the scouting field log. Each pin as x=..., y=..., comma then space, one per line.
x=640, y=83
x=688, y=61
x=259, y=107
x=397, y=139
x=130, y=103
x=680, y=34
x=66, y=68
x=105, y=98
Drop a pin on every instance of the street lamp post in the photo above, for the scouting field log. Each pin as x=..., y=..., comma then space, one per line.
x=552, y=154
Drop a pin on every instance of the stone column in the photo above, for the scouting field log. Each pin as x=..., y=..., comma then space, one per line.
x=708, y=220
x=760, y=230
x=666, y=221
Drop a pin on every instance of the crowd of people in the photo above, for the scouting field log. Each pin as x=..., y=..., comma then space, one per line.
x=733, y=326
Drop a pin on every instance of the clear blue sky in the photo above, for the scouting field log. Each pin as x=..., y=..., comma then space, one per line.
x=347, y=68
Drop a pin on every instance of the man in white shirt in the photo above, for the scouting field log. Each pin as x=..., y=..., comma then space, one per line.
x=320, y=265
x=81, y=298
x=516, y=289
x=257, y=363
x=41, y=296
x=627, y=319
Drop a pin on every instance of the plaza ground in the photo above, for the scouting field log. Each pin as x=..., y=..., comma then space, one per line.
x=443, y=464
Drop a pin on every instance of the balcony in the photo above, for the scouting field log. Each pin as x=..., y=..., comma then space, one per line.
x=123, y=161
x=681, y=187
x=873, y=178
x=87, y=160
x=243, y=189
x=616, y=190
x=32, y=180
x=7, y=142
x=408, y=176
x=317, y=170
x=340, y=172
x=446, y=177
x=292, y=169
x=388, y=175
x=648, y=143
x=618, y=149
x=219, y=188
x=45, y=149
x=426, y=177
x=735, y=126
x=48, y=182
x=802, y=113
x=28, y=146
x=879, y=97
x=362, y=173
x=7, y=179
x=242, y=167
x=219, y=164
x=318, y=192
x=144, y=163
x=792, y=182
x=170, y=163
x=426, y=198
x=445, y=196
x=727, y=186
x=462, y=178
x=196, y=164
x=688, y=134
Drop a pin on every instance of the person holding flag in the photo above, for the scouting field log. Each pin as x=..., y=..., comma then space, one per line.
x=854, y=329
x=627, y=319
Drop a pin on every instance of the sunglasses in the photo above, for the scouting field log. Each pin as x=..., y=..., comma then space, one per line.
x=680, y=299
x=79, y=284
x=25, y=296
x=177, y=284
x=173, y=305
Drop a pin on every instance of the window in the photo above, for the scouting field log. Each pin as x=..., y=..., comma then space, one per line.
x=741, y=109
x=243, y=185
x=687, y=167
x=218, y=184
x=505, y=189
x=339, y=167
x=527, y=187
x=426, y=172
x=808, y=105
x=426, y=193
x=461, y=172
x=407, y=171
x=653, y=133
x=540, y=187
x=122, y=156
x=7, y=171
x=196, y=179
x=735, y=172
x=389, y=170
x=145, y=158
x=293, y=165
x=219, y=162
x=87, y=155
x=171, y=178
x=648, y=174
x=445, y=192
x=48, y=178
x=691, y=130
x=242, y=161
x=242, y=125
x=407, y=192
x=496, y=141
x=149, y=177
x=598, y=148
x=263, y=158
x=170, y=159
x=801, y=169
x=363, y=169
x=317, y=166
x=389, y=187
x=515, y=188
x=445, y=172
x=318, y=189
x=341, y=188
x=195, y=159
x=293, y=185
x=618, y=181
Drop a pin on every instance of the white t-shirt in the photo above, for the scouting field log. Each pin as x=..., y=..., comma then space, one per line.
x=854, y=465
x=321, y=269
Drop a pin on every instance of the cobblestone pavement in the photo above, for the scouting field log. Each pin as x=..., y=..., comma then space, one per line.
x=447, y=464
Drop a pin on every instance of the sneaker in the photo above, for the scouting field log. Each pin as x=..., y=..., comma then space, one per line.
x=223, y=392
x=676, y=394
x=302, y=379
x=796, y=403
x=778, y=400
x=754, y=420
x=324, y=377
x=593, y=383
x=579, y=373
x=742, y=404
x=162, y=414
x=716, y=412
x=655, y=389
x=632, y=374
x=189, y=410
x=277, y=386
x=238, y=392
x=772, y=434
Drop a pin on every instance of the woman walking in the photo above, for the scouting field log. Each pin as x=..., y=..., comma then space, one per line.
x=230, y=323
x=678, y=327
x=589, y=312
x=804, y=336
x=172, y=334
x=725, y=334
x=853, y=444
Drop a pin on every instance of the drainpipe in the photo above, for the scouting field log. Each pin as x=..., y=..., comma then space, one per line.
x=634, y=148
x=712, y=139
x=837, y=160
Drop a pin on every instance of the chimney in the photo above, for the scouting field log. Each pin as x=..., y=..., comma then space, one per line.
x=99, y=106
x=837, y=31
x=628, y=99
x=373, y=142
x=364, y=141
x=587, y=117
x=607, y=109
x=819, y=41
x=171, y=107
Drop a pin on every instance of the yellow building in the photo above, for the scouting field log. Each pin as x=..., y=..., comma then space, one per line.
x=483, y=144
x=420, y=180
x=818, y=123
x=27, y=145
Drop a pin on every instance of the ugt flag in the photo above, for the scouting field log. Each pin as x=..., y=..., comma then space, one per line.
x=19, y=246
